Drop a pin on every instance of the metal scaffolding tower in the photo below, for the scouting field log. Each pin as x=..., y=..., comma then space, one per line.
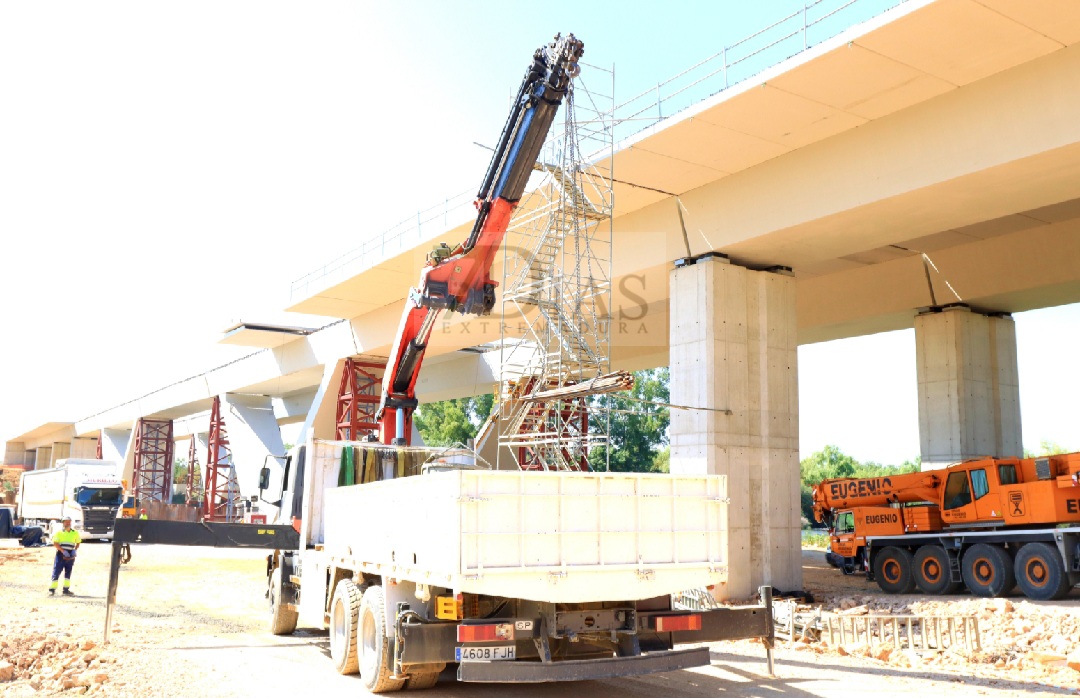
x=358, y=398
x=556, y=291
x=152, y=473
x=221, y=490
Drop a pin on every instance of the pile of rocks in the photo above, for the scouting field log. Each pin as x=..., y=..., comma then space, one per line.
x=52, y=661
x=1019, y=640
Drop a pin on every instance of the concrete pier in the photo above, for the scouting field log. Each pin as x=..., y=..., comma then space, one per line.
x=733, y=346
x=969, y=388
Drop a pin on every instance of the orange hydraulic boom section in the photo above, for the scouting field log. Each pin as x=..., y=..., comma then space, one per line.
x=459, y=279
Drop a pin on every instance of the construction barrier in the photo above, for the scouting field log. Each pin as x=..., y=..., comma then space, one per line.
x=800, y=622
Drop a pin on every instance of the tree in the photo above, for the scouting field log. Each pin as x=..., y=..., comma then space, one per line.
x=638, y=431
x=179, y=470
x=830, y=462
x=452, y=421
x=1047, y=447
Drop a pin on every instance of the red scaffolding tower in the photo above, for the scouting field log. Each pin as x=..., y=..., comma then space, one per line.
x=221, y=490
x=152, y=474
x=358, y=399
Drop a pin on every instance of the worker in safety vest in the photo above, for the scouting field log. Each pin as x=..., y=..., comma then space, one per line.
x=66, y=543
x=142, y=515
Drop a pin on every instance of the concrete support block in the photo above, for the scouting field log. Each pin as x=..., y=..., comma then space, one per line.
x=733, y=346
x=83, y=447
x=42, y=457
x=117, y=445
x=253, y=436
x=320, y=421
x=15, y=453
x=294, y=408
x=60, y=451
x=969, y=387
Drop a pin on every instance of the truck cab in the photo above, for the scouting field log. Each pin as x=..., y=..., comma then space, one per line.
x=90, y=491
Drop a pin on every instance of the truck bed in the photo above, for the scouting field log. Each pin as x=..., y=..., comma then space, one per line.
x=554, y=537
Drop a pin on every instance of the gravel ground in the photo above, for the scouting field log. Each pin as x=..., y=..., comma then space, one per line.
x=189, y=621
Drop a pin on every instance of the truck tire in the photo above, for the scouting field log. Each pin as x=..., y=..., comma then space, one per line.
x=931, y=571
x=1040, y=573
x=420, y=680
x=344, y=614
x=892, y=570
x=376, y=654
x=988, y=570
x=282, y=620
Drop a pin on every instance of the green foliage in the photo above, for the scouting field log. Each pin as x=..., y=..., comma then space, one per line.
x=452, y=421
x=638, y=431
x=830, y=462
x=662, y=461
x=815, y=540
x=179, y=470
x=180, y=475
x=1046, y=448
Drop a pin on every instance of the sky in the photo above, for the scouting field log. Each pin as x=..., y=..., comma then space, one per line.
x=167, y=169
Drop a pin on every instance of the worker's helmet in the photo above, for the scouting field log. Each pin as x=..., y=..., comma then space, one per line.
x=66, y=518
x=142, y=511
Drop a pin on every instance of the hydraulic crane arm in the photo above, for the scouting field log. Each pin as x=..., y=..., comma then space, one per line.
x=459, y=279
x=840, y=493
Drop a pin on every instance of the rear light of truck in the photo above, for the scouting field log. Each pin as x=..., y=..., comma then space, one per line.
x=492, y=632
x=669, y=624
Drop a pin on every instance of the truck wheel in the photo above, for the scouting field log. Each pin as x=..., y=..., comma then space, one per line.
x=427, y=678
x=1040, y=573
x=892, y=570
x=282, y=620
x=931, y=571
x=344, y=612
x=988, y=570
x=376, y=656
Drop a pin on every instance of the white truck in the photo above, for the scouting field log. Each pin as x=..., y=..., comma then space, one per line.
x=514, y=576
x=90, y=491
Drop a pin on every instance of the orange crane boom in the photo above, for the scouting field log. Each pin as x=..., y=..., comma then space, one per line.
x=459, y=279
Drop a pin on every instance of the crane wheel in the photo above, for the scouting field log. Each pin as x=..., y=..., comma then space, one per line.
x=1040, y=573
x=988, y=570
x=931, y=571
x=893, y=571
x=344, y=615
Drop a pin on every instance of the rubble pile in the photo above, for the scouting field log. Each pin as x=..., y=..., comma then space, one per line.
x=1020, y=640
x=51, y=661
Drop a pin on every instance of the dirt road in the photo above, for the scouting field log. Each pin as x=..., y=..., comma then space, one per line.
x=190, y=622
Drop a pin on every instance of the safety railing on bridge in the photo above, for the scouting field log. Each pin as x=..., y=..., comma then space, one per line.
x=815, y=22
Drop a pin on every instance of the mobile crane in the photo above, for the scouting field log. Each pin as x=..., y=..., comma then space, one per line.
x=459, y=279
x=516, y=577
x=989, y=524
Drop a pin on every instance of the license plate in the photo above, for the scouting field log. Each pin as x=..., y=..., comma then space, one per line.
x=486, y=654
